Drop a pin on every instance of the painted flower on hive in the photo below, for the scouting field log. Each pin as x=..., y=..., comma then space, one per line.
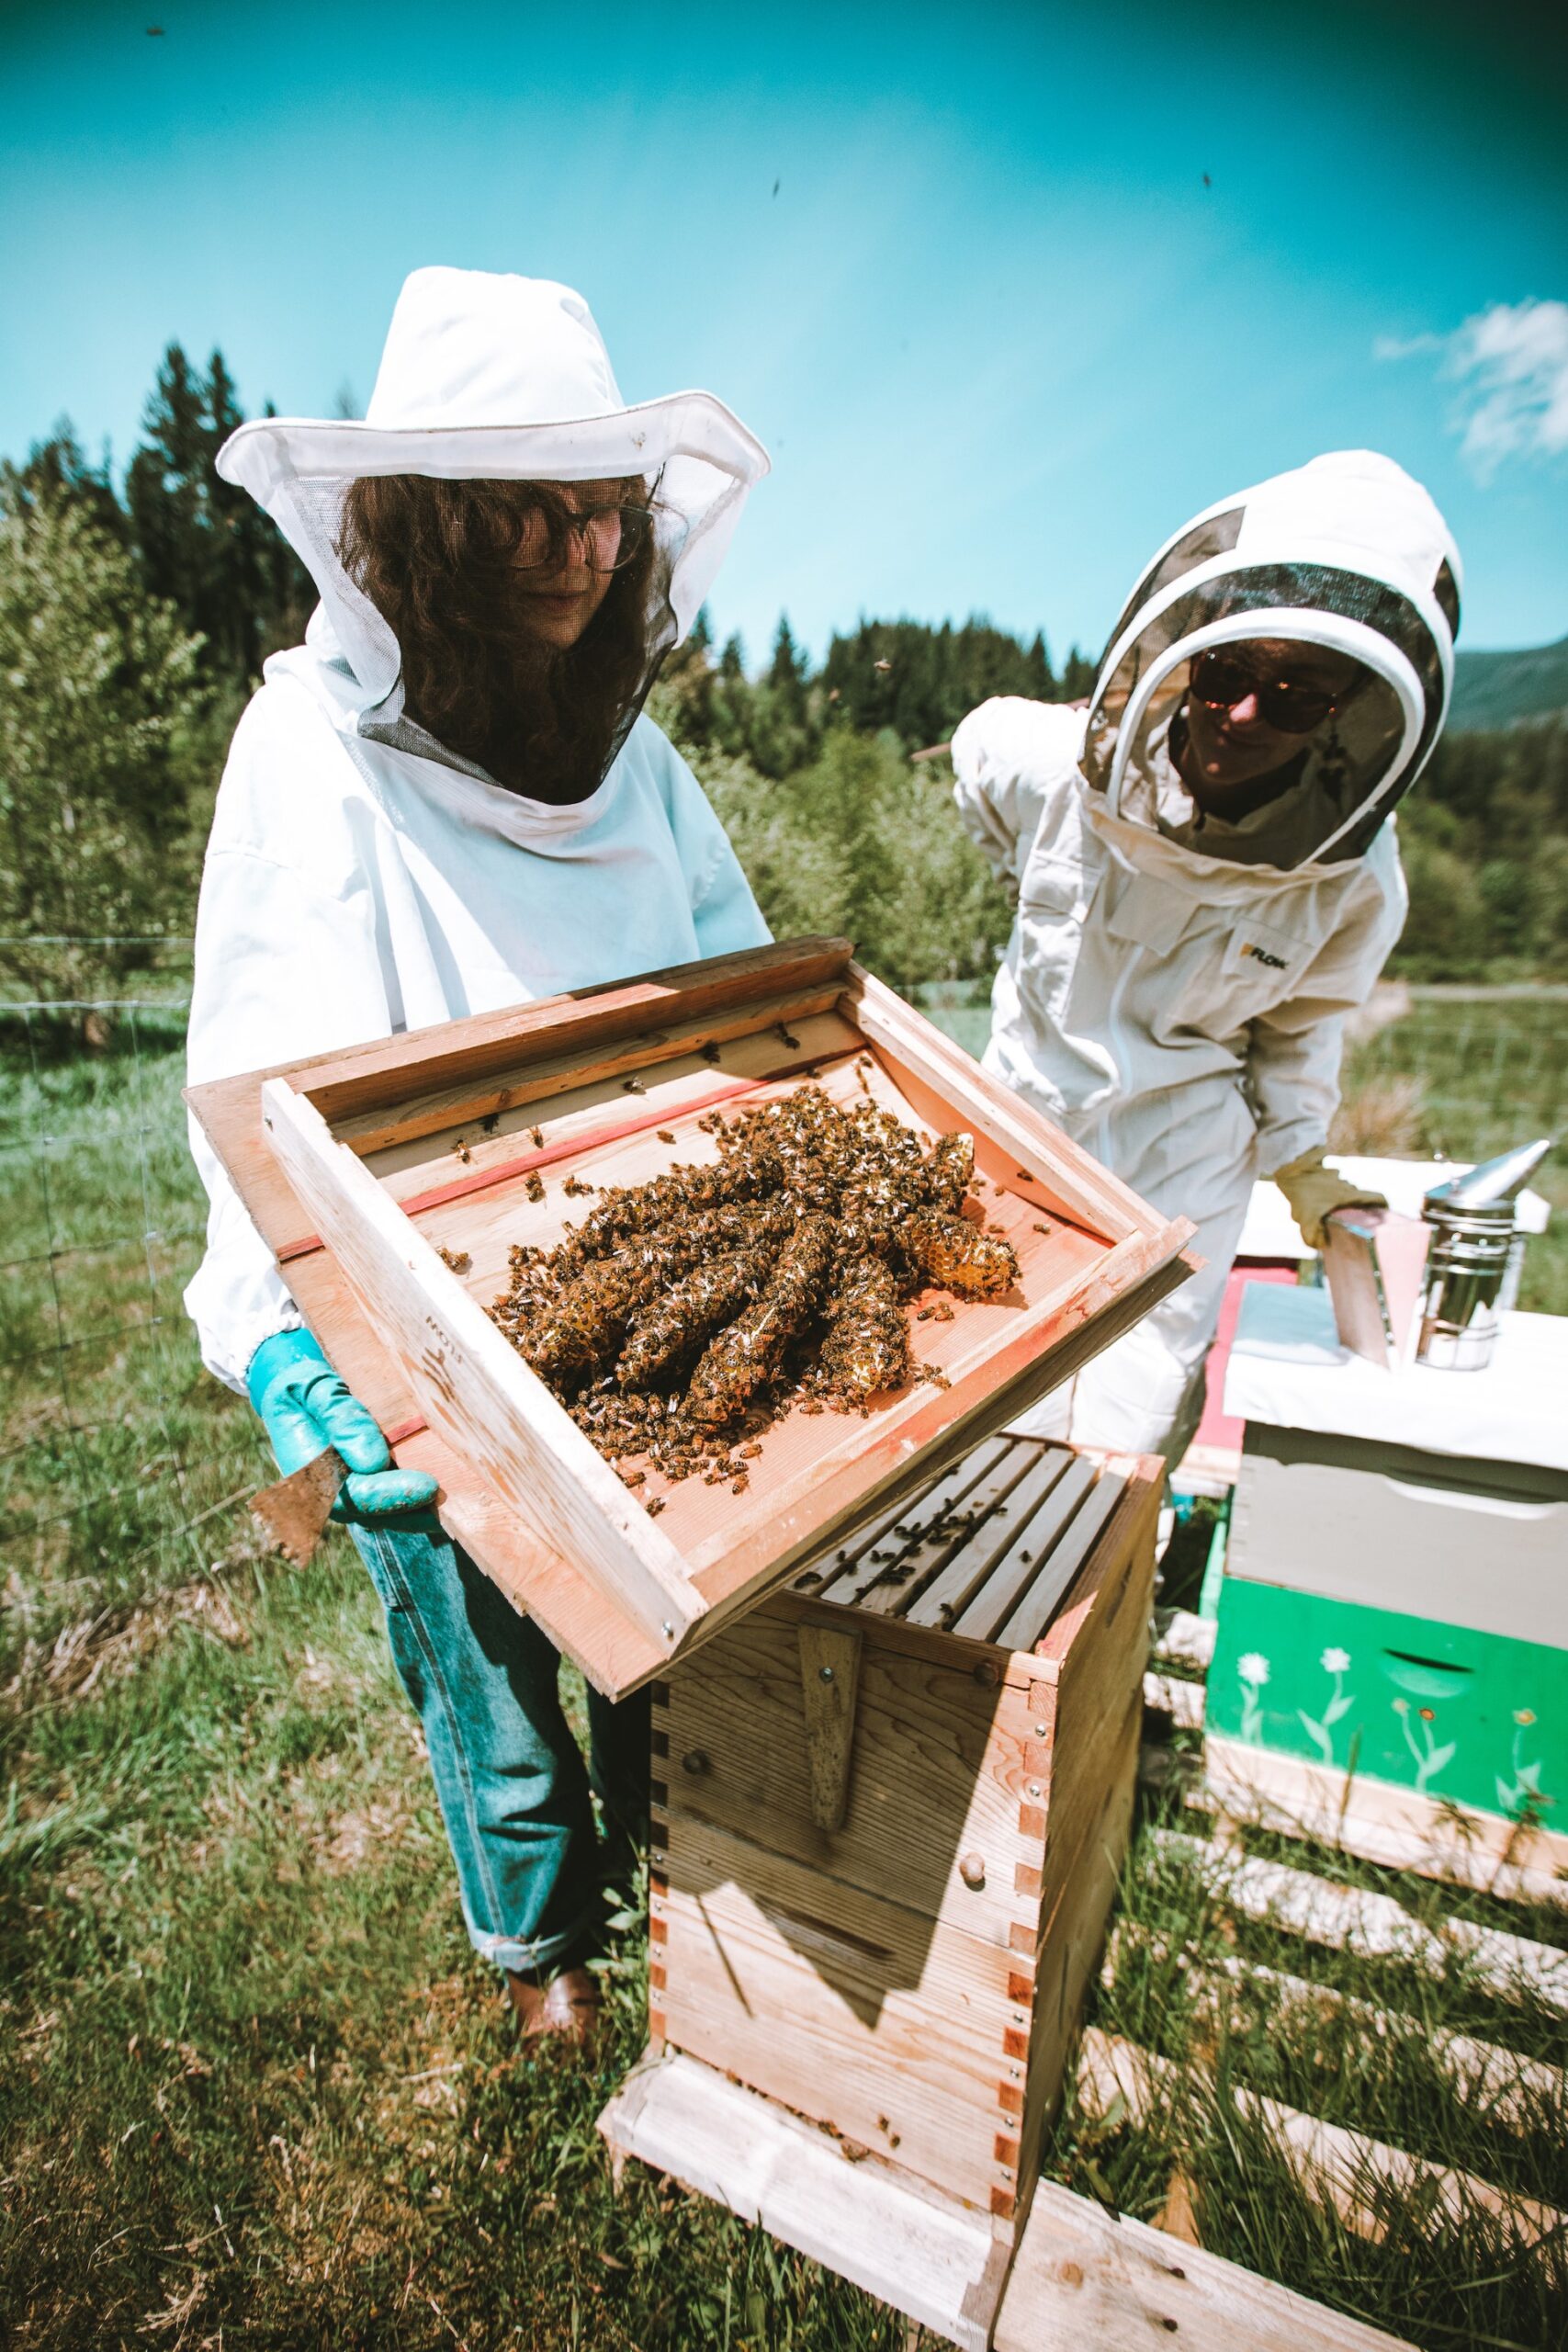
x=1252, y=1670
x=1522, y=1798
x=1429, y=1755
x=1319, y=1729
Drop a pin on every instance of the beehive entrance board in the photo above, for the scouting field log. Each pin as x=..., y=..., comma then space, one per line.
x=359, y=1168
x=890, y=1805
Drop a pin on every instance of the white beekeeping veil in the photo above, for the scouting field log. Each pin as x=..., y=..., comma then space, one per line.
x=1347, y=552
x=500, y=379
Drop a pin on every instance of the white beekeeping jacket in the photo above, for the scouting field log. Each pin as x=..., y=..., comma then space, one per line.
x=1174, y=990
x=359, y=880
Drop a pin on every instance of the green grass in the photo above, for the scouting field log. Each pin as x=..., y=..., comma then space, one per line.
x=255, y=2089
x=1488, y=1073
x=1435, y=2282
x=257, y=2083
x=115, y=1446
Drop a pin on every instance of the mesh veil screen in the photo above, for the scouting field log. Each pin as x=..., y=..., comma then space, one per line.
x=308, y=511
x=1352, y=756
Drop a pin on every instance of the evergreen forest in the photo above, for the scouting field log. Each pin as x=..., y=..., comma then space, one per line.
x=135, y=616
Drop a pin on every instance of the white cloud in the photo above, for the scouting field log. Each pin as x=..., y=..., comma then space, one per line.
x=1510, y=363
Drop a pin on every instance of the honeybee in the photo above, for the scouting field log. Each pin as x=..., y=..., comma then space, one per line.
x=689, y=1313
x=675, y=1326
x=867, y=1347
x=735, y=1364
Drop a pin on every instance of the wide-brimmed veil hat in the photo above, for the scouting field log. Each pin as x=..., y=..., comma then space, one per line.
x=1347, y=553
x=488, y=377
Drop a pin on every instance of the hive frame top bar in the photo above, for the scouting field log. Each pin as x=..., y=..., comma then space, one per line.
x=988, y=1552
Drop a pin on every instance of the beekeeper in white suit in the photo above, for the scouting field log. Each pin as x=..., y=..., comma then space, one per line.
x=445, y=801
x=1207, y=876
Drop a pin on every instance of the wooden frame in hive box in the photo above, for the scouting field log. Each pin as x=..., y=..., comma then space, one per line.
x=883, y=1852
x=359, y=1168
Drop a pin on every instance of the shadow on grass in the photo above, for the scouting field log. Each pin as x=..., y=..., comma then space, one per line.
x=256, y=2081
x=1183, y=1985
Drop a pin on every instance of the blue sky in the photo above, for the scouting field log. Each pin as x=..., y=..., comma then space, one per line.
x=998, y=334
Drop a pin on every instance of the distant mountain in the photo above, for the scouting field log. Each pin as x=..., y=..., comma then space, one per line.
x=1495, y=689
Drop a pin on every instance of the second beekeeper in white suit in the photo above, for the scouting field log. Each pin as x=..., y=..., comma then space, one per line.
x=1207, y=875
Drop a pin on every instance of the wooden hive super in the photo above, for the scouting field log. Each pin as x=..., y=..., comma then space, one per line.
x=890, y=1807
x=360, y=1168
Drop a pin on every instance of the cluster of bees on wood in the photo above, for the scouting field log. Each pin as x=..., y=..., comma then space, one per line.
x=686, y=1314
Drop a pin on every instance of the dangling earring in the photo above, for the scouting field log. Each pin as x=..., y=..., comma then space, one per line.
x=1333, y=767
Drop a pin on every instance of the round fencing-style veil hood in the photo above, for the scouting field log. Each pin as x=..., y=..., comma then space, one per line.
x=493, y=378
x=1347, y=553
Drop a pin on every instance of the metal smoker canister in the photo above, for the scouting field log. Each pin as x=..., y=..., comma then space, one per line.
x=1467, y=1265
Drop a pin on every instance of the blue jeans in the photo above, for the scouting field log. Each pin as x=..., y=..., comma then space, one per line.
x=514, y=1789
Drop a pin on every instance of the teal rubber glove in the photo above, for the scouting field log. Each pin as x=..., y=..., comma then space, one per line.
x=305, y=1408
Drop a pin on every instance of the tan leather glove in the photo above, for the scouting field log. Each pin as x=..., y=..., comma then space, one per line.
x=1314, y=1192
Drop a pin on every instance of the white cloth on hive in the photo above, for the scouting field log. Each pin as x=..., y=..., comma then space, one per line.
x=1288, y=1368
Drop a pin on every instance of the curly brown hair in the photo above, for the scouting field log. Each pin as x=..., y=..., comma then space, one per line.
x=433, y=558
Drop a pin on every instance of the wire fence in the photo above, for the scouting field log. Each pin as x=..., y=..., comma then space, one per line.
x=119, y=1458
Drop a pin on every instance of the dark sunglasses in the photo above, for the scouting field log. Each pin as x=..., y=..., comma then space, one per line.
x=1222, y=680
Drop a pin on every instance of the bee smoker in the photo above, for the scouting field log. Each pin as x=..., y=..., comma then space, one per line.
x=1472, y=1271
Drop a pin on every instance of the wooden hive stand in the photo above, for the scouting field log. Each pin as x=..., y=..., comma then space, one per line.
x=891, y=1805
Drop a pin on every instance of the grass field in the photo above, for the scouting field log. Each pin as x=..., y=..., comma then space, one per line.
x=256, y=2090
x=1486, y=1073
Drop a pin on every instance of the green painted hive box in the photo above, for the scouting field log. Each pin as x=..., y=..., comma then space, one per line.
x=1452, y=1711
x=1392, y=1648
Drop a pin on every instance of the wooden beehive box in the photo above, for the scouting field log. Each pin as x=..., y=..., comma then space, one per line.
x=890, y=1807
x=360, y=1168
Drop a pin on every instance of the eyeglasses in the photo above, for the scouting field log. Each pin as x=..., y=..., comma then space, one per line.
x=1222, y=679
x=610, y=537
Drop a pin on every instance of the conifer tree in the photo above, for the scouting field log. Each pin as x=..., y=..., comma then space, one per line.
x=58, y=467
x=682, y=699
x=1078, y=675
x=203, y=546
x=787, y=675
x=105, y=742
x=1041, y=684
